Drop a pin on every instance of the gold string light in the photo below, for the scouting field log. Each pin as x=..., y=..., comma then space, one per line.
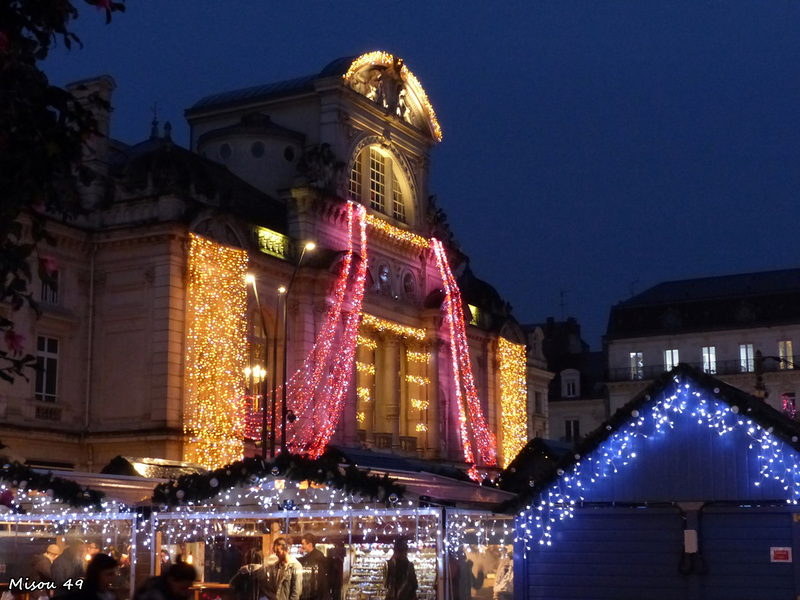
x=360, y=416
x=215, y=353
x=364, y=394
x=418, y=357
x=366, y=342
x=382, y=325
x=365, y=368
x=513, y=398
x=422, y=427
x=419, y=404
x=379, y=57
x=418, y=380
x=395, y=233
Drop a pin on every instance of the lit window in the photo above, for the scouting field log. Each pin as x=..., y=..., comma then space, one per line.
x=670, y=359
x=785, y=353
x=746, y=358
x=710, y=359
x=789, y=406
x=375, y=170
x=637, y=365
x=46, y=368
x=377, y=180
x=398, y=207
x=355, y=180
x=572, y=430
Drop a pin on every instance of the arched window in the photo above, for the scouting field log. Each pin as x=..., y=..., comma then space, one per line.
x=377, y=181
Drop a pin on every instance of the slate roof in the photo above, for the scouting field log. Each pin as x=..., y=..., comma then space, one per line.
x=756, y=409
x=277, y=89
x=161, y=166
x=708, y=304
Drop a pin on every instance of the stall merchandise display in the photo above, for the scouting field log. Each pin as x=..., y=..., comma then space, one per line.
x=368, y=572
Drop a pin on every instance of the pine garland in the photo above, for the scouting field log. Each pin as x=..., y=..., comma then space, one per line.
x=21, y=476
x=325, y=470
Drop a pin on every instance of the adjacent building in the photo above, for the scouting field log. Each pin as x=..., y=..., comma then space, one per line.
x=741, y=328
x=577, y=399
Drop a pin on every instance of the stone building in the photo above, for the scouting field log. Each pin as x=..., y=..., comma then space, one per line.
x=740, y=328
x=144, y=345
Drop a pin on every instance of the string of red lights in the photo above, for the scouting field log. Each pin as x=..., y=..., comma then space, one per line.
x=318, y=388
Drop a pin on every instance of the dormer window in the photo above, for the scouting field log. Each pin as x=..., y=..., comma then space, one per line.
x=570, y=383
x=375, y=172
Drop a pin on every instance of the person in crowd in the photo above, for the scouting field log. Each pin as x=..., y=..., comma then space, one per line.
x=462, y=579
x=42, y=564
x=69, y=565
x=250, y=582
x=174, y=583
x=92, y=550
x=315, y=569
x=284, y=573
x=401, y=578
x=166, y=561
x=97, y=584
x=504, y=576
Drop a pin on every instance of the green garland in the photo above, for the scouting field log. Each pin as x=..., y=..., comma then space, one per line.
x=63, y=490
x=325, y=470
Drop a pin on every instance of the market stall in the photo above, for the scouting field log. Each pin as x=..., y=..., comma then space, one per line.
x=42, y=515
x=217, y=520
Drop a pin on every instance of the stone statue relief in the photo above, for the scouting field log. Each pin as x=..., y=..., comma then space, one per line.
x=386, y=87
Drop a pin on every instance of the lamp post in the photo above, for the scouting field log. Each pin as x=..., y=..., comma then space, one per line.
x=308, y=247
x=273, y=399
x=251, y=280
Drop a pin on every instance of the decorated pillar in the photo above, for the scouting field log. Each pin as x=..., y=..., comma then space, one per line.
x=390, y=390
x=433, y=449
x=365, y=388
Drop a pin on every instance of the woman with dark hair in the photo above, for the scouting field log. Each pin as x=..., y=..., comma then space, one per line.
x=401, y=578
x=174, y=584
x=97, y=583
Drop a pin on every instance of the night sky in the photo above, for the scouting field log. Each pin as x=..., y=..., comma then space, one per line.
x=595, y=147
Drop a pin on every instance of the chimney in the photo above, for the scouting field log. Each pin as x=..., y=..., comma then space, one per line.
x=96, y=155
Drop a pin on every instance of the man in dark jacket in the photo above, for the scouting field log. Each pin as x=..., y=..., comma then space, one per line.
x=42, y=564
x=69, y=566
x=315, y=570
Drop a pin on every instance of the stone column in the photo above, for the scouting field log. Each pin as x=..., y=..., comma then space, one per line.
x=433, y=449
x=366, y=381
x=390, y=388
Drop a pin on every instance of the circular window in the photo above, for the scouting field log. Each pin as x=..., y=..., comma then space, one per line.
x=225, y=151
x=288, y=153
x=257, y=149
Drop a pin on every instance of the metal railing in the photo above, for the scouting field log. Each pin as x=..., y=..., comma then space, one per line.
x=720, y=367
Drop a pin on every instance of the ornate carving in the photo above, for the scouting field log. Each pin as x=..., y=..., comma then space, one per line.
x=386, y=86
x=322, y=169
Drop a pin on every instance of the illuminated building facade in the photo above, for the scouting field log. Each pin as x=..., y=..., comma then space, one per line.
x=148, y=338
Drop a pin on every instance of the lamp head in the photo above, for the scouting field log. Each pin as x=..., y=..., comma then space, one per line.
x=310, y=246
x=249, y=279
x=282, y=290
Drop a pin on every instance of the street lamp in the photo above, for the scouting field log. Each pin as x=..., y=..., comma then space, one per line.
x=281, y=292
x=251, y=280
x=308, y=247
